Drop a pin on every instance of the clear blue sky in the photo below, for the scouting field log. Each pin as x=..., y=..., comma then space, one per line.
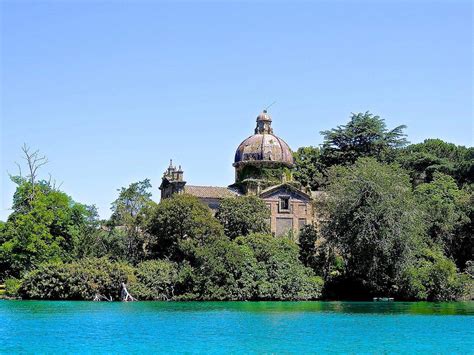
x=109, y=91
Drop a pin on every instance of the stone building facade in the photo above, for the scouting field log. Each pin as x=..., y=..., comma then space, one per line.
x=263, y=164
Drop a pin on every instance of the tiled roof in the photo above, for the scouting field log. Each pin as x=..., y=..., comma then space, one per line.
x=209, y=191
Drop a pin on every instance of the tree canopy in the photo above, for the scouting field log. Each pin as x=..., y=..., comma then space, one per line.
x=374, y=223
x=365, y=135
x=309, y=168
x=423, y=160
x=446, y=211
x=377, y=226
x=43, y=228
x=243, y=215
x=177, y=219
x=129, y=214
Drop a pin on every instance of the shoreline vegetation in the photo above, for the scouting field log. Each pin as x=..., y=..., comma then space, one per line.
x=395, y=220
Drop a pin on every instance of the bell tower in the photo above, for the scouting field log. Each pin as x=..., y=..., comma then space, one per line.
x=172, y=181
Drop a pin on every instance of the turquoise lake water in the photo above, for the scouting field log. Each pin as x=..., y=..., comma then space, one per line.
x=236, y=327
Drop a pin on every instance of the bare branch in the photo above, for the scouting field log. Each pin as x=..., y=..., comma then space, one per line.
x=19, y=168
x=34, y=162
x=125, y=295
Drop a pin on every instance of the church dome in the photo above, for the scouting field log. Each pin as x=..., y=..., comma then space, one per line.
x=263, y=148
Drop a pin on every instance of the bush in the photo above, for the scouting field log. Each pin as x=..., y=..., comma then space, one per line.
x=12, y=286
x=156, y=280
x=256, y=267
x=82, y=280
x=225, y=271
x=281, y=275
x=434, y=277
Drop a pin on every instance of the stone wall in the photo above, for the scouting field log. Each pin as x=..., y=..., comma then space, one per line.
x=298, y=213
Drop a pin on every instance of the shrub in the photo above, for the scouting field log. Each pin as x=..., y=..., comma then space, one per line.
x=225, y=271
x=282, y=275
x=434, y=277
x=254, y=267
x=12, y=286
x=49, y=281
x=156, y=280
x=82, y=280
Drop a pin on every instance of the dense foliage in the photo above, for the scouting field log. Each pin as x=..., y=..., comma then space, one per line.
x=47, y=227
x=445, y=209
x=434, y=277
x=423, y=160
x=177, y=221
x=365, y=135
x=374, y=224
x=403, y=230
x=249, y=268
x=243, y=215
x=309, y=168
x=397, y=220
x=80, y=280
x=282, y=275
x=156, y=280
x=129, y=214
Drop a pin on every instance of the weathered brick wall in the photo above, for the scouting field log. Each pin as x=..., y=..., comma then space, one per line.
x=300, y=212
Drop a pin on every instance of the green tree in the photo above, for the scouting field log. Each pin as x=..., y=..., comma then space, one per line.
x=316, y=252
x=45, y=223
x=129, y=214
x=462, y=247
x=365, y=135
x=443, y=204
x=225, y=270
x=44, y=228
x=433, y=277
x=89, y=237
x=374, y=224
x=243, y=215
x=423, y=160
x=179, y=219
x=309, y=169
x=156, y=280
x=280, y=274
x=254, y=267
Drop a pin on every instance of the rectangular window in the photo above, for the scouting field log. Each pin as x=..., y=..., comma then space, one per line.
x=284, y=203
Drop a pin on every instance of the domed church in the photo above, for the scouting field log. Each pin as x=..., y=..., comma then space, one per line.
x=263, y=167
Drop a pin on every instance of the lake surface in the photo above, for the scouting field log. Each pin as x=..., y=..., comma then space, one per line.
x=236, y=327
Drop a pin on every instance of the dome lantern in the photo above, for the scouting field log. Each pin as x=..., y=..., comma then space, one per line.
x=264, y=123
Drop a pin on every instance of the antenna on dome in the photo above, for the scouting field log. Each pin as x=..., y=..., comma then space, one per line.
x=273, y=103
